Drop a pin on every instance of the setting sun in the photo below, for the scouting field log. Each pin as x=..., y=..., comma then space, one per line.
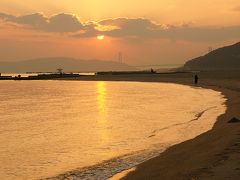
x=100, y=37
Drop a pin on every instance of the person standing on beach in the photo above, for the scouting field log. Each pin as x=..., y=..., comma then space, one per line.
x=196, y=79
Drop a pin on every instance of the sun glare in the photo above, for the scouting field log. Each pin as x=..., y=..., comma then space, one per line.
x=100, y=37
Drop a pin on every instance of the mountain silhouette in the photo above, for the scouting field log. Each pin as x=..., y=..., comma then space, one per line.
x=68, y=65
x=225, y=58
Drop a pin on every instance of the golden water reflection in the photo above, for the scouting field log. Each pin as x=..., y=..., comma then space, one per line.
x=103, y=112
x=101, y=96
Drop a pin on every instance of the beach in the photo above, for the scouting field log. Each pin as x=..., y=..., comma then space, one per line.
x=211, y=155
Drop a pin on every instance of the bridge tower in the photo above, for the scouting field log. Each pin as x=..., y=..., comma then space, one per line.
x=120, y=57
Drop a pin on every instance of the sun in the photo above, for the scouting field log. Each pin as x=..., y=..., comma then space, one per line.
x=101, y=37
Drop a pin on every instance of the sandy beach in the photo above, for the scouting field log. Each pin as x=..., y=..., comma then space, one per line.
x=212, y=155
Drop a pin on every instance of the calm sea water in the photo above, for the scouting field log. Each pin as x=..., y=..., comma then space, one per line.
x=99, y=128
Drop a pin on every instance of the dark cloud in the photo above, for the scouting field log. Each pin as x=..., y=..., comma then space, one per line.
x=124, y=27
x=114, y=22
x=236, y=8
x=35, y=21
x=7, y=17
x=146, y=29
x=200, y=34
x=89, y=31
x=64, y=23
x=135, y=28
x=58, y=23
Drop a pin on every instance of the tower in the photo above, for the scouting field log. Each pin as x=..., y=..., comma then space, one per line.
x=60, y=71
x=120, y=57
x=210, y=49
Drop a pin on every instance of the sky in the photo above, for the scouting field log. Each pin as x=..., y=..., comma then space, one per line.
x=146, y=31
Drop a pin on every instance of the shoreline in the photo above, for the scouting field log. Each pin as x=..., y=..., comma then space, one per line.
x=211, y=155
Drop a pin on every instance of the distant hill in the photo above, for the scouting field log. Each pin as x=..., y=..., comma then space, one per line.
x=225, y=58
x=67, y=64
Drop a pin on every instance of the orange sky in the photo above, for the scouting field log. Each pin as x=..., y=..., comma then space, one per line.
x=147, y=32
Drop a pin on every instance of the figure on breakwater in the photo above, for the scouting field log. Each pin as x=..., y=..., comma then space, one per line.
x=196, y=79
x=152, y=71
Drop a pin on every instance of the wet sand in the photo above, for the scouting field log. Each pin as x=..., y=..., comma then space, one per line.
x=212, y=155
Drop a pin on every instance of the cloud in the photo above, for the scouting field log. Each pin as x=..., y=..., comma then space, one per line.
x=125, y=28
x=7, y=17
x=145, y=29
x=203, y=34
x=35, y=21
x=89, y=31
x=64, y=23
x=236, y=8
x=113, y=22
x=57, y=23
x=141, y=28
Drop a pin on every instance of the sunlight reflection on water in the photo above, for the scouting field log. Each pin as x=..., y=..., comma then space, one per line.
x=103, y=112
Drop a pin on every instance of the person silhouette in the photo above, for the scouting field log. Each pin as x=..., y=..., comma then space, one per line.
x=196, y=79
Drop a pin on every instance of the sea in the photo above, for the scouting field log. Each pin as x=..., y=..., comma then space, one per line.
x=96, y=129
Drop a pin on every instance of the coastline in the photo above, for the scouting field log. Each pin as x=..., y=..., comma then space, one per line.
x=211, y=155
